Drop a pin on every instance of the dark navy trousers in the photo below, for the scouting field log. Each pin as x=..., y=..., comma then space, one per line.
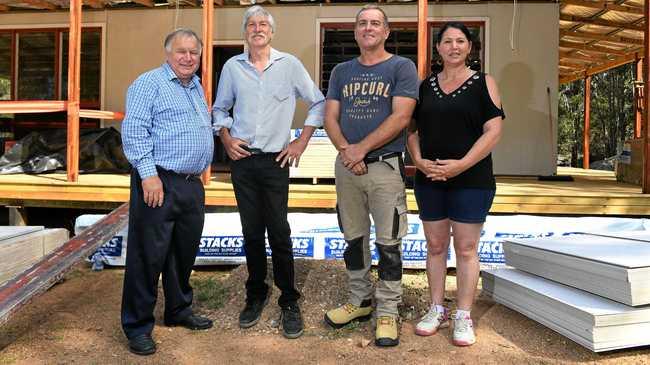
x=163, y=240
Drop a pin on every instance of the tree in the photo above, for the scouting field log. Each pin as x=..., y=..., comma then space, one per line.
x=612, y=117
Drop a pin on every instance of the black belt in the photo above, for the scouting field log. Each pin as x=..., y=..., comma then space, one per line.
x=183, y=175
x=257, y=151
x=383, y=157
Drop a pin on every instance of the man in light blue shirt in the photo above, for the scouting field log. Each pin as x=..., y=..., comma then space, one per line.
x=261, y=85
x=168, y=140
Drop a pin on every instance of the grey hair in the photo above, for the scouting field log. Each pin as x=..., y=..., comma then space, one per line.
x=373, y=7
x=185, y=32
x=256, y=10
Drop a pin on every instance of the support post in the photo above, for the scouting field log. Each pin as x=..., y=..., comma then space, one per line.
x=585, y=132
x=423, y=66
x=646, y=99
x=74, y=60
x=206, y=66
x=638, y=98
x=17, y=216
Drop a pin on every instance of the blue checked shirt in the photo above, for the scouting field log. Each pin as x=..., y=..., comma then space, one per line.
x=166, y=124
x=264, y=103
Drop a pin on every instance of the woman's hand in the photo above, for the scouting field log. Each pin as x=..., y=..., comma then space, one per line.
x=446, y=169
x=424, y=165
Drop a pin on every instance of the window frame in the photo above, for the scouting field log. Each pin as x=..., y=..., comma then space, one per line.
x=58, y=29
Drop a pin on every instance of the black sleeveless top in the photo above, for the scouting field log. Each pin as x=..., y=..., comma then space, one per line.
x=449, y=124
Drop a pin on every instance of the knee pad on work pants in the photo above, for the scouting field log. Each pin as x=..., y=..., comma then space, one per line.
x=353, y=254
x=390, y=262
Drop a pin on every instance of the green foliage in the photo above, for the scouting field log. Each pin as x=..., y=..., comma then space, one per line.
x=612, y=114
x=209, y=292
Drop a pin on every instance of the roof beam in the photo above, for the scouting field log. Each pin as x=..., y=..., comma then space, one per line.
x=147, y=3
x=602, y=5
x=572, y=64
x=600, y=22
x=95, y=4
x=588, y=48
x=604, y=67
x=4, y=7
x=219, y=2
x=600, y=37
x=577, y=56
x=571, y=78
x=40, y=4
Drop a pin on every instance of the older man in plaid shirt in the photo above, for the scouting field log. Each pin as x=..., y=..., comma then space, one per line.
x=167, y=138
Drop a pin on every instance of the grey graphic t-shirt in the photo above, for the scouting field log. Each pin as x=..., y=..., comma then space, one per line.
x=366, y=96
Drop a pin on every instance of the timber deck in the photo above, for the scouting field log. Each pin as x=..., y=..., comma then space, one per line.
x=592, y=193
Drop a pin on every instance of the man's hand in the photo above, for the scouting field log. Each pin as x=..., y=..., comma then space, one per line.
x=152, y=189
x=234, y=146
x=352, y=154
x=359, y=169
x=291, y=154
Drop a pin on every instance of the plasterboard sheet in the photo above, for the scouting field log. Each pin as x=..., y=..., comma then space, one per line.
x=566, y=310
x=7, y=232
x=628, y=286
x=622, y=252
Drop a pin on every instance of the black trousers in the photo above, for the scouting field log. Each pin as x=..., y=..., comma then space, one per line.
x=262, y=192
x=161, y=240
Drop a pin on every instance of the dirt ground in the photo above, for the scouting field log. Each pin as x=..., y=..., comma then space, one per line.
x=77, y=321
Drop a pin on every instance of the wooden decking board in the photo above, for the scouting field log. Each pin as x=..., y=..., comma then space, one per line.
x=592, y=193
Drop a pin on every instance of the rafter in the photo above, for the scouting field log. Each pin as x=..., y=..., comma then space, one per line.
x=571, y=78
x=588, y=48
x=147, y=3
x=40, y=4
x=572, y=64
x=578, y=56
x=600, y=22
x=600, y=37
x=602, y=5
x=4, y=7
x=570, y=68
x=95, y=4
x=603, y=67
x=219, y=2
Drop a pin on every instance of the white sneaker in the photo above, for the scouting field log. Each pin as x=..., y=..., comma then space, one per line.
x=431, y=321
x=463, y=332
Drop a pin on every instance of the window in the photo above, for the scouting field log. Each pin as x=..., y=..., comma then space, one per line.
x=5, y=66
x=36, y=75
x=338, y=45
x=90, y=67
x=34, y=66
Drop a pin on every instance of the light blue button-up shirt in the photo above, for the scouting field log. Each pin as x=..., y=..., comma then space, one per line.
x=166, y=124
x=264, y=103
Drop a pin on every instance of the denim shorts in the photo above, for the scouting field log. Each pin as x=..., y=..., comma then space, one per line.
x=464, y=205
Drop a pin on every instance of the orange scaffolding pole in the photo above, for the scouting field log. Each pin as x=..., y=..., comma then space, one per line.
x=74, y=74
x=206, y=65
x=422, y=39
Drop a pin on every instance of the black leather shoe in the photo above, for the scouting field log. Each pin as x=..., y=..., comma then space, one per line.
x=252, y=312
x=142, y=345
x=292, y=326
x=192, y=322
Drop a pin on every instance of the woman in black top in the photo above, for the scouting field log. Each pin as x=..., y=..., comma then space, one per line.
x=457, y=122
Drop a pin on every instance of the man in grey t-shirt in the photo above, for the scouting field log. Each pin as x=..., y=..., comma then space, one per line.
x=369, y=104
